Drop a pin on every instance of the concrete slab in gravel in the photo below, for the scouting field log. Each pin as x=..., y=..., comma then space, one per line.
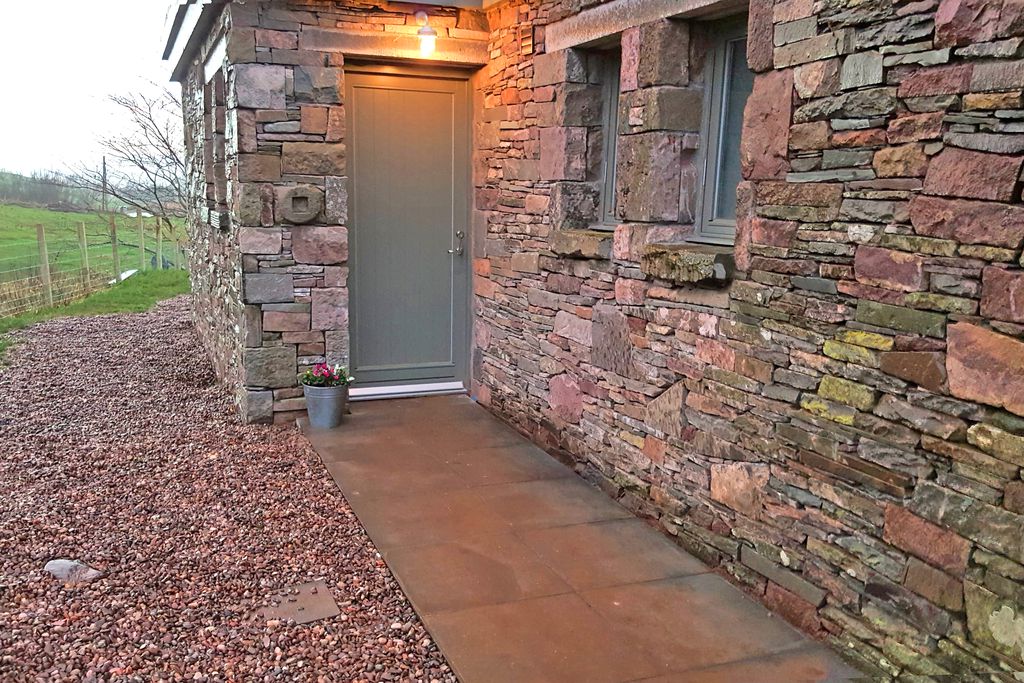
x=303, y=604
x=524, y=572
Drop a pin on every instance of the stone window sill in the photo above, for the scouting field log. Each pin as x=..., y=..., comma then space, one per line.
x=582, y=244
x=688, y=263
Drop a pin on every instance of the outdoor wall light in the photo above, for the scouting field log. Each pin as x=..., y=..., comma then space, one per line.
x=426, y=34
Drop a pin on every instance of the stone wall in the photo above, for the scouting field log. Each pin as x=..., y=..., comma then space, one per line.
x=831, y=412
x=270, y=238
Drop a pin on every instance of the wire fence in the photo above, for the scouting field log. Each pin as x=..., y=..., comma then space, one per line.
x=50, y=265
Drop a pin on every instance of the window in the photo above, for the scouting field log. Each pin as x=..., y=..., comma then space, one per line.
x=609, y=67
x=728, y=83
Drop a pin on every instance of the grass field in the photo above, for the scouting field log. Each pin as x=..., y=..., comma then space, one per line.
x=19, y=251
x=137, y=293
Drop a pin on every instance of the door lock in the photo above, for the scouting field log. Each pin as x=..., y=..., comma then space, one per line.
x=458, y=250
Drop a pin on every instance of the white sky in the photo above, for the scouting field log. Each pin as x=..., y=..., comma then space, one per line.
x=59, y=59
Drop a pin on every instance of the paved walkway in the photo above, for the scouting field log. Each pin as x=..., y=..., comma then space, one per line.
x=523, y=572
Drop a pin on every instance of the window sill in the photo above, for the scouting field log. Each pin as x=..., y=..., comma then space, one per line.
x=582, y=244
x=689, y=263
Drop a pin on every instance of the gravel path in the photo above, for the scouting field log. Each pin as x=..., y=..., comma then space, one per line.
x=117, y=448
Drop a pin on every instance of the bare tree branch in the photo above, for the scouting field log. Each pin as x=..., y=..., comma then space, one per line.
x=146, y=164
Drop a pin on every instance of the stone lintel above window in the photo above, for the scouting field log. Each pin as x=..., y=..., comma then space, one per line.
x=689, y=263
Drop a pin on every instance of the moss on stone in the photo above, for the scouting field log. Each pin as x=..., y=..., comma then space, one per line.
x=682, y=263
x=844, y=415
x=869, y=340
x=851, y=353
x=848, y=393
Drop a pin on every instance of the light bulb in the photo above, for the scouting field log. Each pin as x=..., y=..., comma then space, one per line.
x=428, y=41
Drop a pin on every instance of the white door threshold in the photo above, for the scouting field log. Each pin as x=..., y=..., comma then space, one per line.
x=406, y=391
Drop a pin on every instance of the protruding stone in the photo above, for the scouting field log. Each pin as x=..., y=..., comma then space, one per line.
x=612, y=347
x=937, y=546
x=268, y=288
x=665, y=413
x=1002, y=294
x=313, y=158
x=565, y=398
x=682, y=263
x=968, y=222
x=901, y=318
x=320, y=245
x=573, y=206
x=985, y=366
x=563, y=153
x=861, y=69
x=817, y=79
x=649, y=177
x=271, y=367
x=903, y=161
x=760, y=35
x=262, y=241
x=336, y=209
x=927, y=369
x=888, y=268
x=562, y=66
x=994, y=621
x=329, y=308
x=764, y=144
x=964, y=173
x=259, y=86
x=299, y=205
x=582, y=244
x=939, y=80
x=574, y=327
x=997, y=442
x=319, y=85
x=740, y=486
x=662, y=54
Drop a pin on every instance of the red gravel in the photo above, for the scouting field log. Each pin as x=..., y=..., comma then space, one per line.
x=118, y=449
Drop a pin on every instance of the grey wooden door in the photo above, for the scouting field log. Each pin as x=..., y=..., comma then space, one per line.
x=409, y=215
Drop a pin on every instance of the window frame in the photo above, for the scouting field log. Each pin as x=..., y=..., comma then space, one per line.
x=609, y=73
x=728, y=33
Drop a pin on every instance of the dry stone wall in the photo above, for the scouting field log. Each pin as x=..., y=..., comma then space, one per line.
x=833, y=411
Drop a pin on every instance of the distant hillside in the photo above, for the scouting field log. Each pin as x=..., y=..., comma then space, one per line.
x=44, y=189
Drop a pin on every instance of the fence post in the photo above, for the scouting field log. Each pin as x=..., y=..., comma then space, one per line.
x=159, y=243
x=142, y=242
x=177, y=247
x=83, y=250
x=113, y=242
x=44, y=264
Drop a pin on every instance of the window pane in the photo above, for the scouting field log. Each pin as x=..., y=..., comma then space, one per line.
x=739, y=82
x=612, y=66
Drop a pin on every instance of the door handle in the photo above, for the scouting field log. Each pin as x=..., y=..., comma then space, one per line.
x=458, y=250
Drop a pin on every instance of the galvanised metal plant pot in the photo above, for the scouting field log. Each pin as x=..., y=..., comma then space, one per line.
x=326, y=406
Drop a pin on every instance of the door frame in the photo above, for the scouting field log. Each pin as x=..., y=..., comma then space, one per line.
x=462, y=385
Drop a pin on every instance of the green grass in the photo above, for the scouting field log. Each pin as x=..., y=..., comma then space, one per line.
x=19, y=252
x=136, y=294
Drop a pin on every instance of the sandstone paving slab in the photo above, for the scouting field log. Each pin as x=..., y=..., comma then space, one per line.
x=809, y=664
x=472, y=572
x=523, y=572
x=550, y=502
x=421, y=518
x=393, y=473
x=694, y=622
x=503, y=464
x=556, y=638
x=610, y=553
